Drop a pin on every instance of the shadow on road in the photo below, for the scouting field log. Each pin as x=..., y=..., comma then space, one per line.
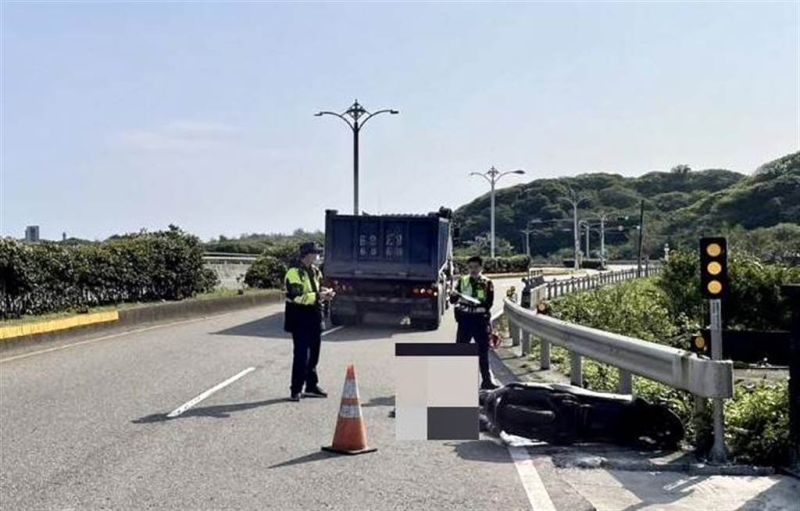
x=268, y=327
x=380, y=401
x=308, y=458
x=481, y=450
x=217, y=411
x=781, y=495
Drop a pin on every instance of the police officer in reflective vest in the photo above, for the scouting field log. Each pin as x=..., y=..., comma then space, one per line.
x=473, y=300
x=303, y=318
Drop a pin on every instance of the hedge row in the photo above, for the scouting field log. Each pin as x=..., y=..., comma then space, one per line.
x=52, y=277
x=513, y=264
x=592, y=264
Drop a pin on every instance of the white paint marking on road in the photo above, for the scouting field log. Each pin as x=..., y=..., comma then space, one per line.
x=531, y=482
x=185, y=406
x=334, y=329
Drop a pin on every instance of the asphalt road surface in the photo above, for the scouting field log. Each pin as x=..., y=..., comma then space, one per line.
x=86, y=427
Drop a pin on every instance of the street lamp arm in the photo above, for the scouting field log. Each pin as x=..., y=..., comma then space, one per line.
x=340, y=116
x=518, y=171
x=481, y=175
x=373, y=114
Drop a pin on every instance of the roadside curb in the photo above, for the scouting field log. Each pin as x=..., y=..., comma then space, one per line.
x=156, y=313
x=589, y=461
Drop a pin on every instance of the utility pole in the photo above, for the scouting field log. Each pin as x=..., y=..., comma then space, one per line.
x=588, y=231
x=641, y=237
x=573, y=199
x=352, y=117
x=527, y=232
x=493, y=176
x=602, y=241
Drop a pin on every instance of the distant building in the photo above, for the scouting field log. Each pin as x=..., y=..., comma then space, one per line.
x=32, y=234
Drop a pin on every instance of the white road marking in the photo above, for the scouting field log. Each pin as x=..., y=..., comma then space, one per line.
x=185, y=406
x=531, y=482
x=334, y=329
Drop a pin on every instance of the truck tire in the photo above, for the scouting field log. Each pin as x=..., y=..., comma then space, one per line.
x=342, y=320
x=426, y=324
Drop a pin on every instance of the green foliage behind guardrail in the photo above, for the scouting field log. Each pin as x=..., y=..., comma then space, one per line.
x=756, y=418
x=52, y=277
x=755, y=300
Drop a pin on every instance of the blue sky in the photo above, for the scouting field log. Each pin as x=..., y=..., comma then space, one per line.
x=119, y=116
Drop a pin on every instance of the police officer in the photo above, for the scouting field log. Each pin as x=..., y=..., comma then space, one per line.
x=303, y=318
x=474, y=316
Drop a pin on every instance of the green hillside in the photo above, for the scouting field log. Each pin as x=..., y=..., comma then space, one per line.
x=680, y=205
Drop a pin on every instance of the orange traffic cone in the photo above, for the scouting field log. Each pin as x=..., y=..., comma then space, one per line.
x=350, y=436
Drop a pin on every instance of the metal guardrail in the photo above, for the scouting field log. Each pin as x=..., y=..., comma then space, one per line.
x=671, y=366
x=677, y=368
x=222, y=257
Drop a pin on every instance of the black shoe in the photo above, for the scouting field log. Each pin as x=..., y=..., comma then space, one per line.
x=489, y=385
x=295, y=396
x=315, y=392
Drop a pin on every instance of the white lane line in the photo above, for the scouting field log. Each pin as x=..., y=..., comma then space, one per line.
x=185, y=406
x=531, y=482
x=334, y=329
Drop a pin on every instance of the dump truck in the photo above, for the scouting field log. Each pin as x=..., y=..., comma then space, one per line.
x=389, y=263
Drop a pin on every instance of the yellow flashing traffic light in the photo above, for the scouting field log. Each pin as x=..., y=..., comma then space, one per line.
x=714, y=267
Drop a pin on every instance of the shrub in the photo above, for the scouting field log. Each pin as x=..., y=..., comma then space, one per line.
x=637, y=309
x=51, y=277
x=757, y=422
x=266, y=272
x=754, y=302
x=270, y=268
x=592, y=264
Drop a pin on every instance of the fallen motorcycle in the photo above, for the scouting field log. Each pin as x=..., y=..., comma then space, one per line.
x=563, y=414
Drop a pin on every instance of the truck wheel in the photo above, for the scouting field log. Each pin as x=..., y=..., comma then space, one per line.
x=340, y=320
x=336, y=320
x=426, y=324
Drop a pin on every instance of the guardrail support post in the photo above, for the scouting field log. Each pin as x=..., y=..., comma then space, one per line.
x=625, y=382
x=526, y=343
x=576, y=370
x=514, y=331
x=544, y=354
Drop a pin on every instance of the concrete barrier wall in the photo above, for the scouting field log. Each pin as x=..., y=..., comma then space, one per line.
x=146, y=314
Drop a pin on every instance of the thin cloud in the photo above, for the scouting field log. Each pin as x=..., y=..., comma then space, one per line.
x=177, y=135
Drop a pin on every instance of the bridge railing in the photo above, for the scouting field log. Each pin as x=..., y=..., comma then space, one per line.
x=556, y=288
x=228, y=258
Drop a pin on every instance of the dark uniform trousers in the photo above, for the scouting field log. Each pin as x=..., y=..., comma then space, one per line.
x=476, y=326
x=307, y=338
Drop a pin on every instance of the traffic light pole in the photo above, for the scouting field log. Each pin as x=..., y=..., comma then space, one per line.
x=718, y=451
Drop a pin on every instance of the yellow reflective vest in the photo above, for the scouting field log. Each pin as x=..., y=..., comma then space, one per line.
x=303, y=311
x=302, y=285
